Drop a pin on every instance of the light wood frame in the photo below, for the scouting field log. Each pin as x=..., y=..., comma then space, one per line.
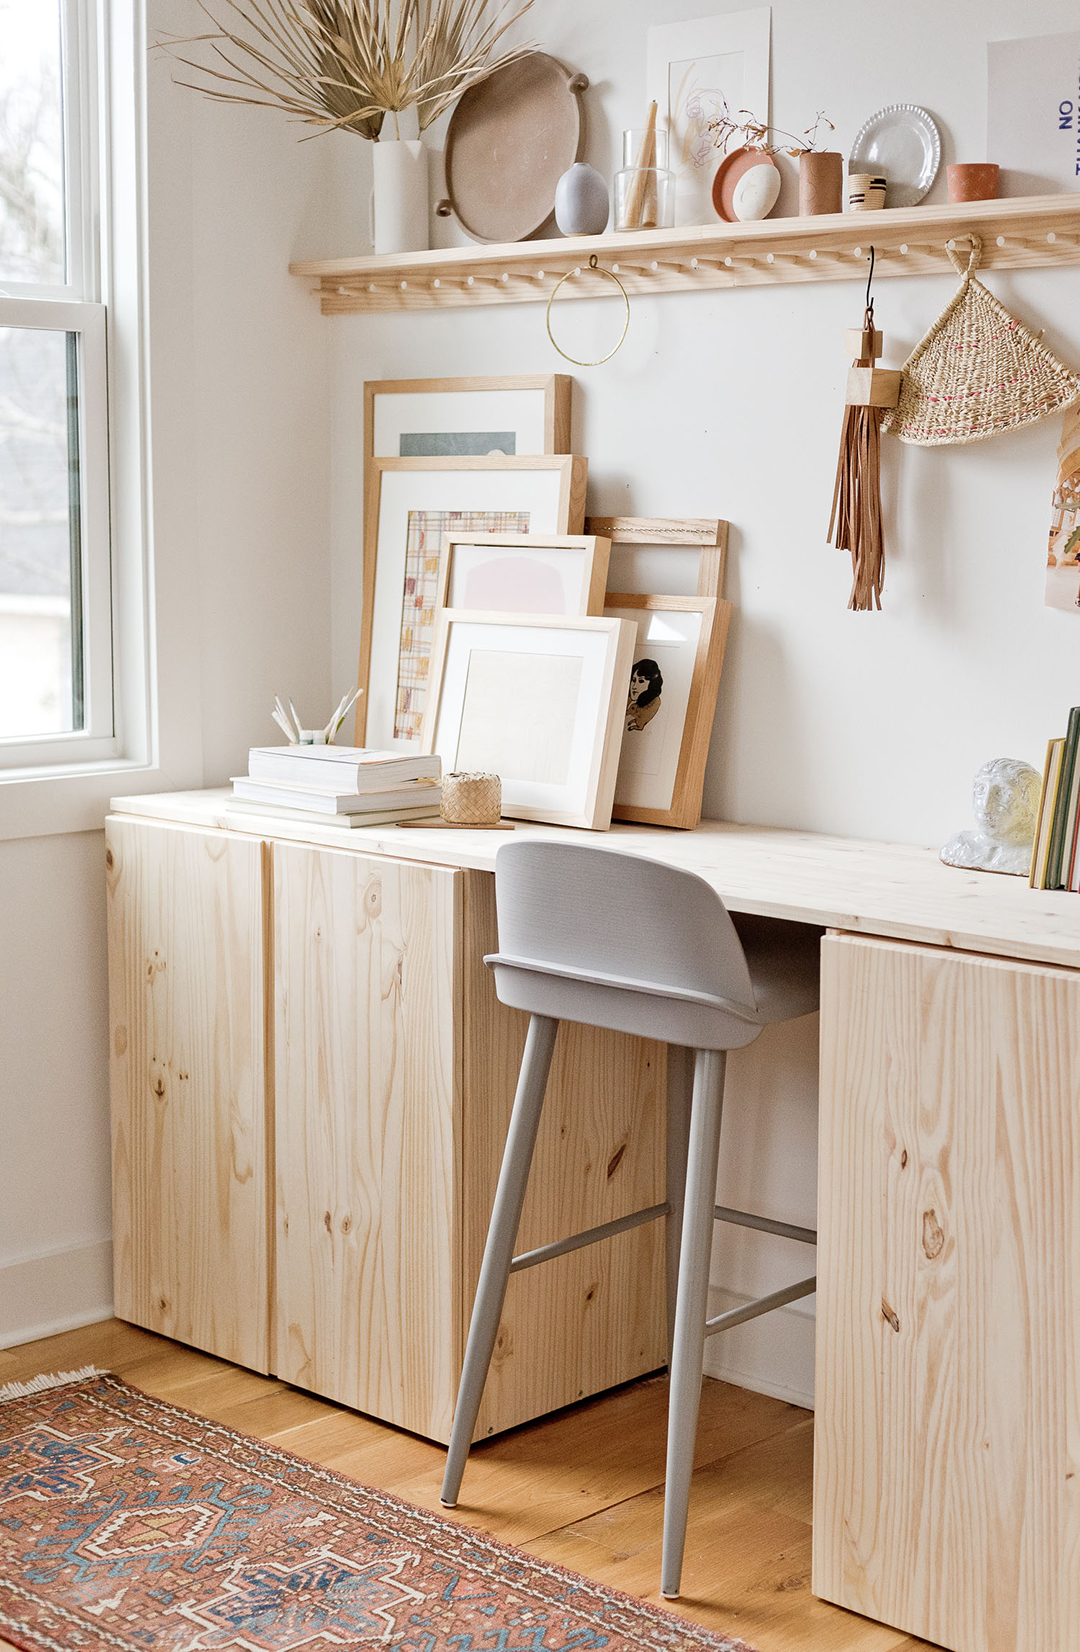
x=595, y=551
x=594, y=810
x=709, y=533
x=570, y=511
x=557, y=389
x=684, y=810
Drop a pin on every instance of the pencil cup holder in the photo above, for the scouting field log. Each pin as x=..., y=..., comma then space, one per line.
x=471, y=799
x=644, y=189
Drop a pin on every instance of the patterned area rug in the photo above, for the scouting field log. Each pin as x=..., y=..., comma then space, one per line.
x=132, y=1525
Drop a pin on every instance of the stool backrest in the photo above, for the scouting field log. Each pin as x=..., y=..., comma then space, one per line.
x=617, y=914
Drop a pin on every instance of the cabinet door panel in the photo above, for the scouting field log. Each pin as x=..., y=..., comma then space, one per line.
x=597, y=1316
x=191, y=1234
x=365, y=1103
x=947, y=1500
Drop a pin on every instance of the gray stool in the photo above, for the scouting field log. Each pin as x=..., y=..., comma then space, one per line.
x=618, y=941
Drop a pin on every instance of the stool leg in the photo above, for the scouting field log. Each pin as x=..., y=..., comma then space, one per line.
x=499, y=1249
x=679, y=1086
x=692, y=1309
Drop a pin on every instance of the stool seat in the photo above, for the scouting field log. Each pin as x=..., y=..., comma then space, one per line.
x=784, y=960
x=613, y=940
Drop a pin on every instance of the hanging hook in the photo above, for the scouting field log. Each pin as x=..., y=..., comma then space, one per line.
x=869, y=304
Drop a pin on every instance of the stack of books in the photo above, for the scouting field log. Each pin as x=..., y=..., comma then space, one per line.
x=1055, y=861
x=338, y=785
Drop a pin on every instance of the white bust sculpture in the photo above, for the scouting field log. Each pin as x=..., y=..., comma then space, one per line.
x=1005, y=797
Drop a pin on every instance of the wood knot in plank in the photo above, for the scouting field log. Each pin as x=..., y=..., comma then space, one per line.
x=903, y=1159
x=373, y=898
x=933, y=1236
x=328, y=1222
x=110, y=860
x=889, y=1315
x=616, y=1160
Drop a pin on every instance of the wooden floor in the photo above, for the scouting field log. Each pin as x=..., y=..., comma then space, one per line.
x=583, y=1487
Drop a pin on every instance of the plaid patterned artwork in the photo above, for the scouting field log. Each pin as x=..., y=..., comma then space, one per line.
x=423, y=545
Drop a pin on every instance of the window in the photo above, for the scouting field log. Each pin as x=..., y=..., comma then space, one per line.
x=56, y=678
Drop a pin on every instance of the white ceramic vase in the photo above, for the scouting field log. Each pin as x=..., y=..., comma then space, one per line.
x=399, y=200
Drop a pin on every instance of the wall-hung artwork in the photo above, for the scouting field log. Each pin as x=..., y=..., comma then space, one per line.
x=524, y=573
x=412, y=504
x=670, y=704
x=696, y=72
x=538, y=700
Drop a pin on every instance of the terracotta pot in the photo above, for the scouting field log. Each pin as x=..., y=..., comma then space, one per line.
x=973, y=181
x=821, y=182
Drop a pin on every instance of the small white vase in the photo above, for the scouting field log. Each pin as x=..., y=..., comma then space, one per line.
x=400, y=195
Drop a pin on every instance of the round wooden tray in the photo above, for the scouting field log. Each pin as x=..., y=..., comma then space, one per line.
x=509, y=141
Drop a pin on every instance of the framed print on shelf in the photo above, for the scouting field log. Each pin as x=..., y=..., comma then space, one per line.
x=538, y=700
x=634, y=537
x=524, y=573
x=696, y=70
x=668, y=718
x=413, y=503
x=467, y=418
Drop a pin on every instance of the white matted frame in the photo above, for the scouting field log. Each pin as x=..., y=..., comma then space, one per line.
x=538, y=700
x=456, y=418
x=542, y=494
x=524, y=573
x=671, y=704
x=692, y=68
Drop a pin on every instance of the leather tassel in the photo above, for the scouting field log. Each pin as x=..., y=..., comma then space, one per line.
x=855, y=524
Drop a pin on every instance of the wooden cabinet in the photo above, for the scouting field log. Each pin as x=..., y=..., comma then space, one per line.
x=388, y=1074
x=189, y=1101
x=947, y=1486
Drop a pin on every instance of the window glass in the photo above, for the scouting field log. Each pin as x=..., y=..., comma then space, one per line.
x=40, y=691
x=31, y=143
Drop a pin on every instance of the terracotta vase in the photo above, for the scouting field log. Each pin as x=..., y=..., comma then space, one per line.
x=973, y=181
x=821, y=182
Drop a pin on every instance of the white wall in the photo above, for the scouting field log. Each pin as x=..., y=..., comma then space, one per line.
x=730, y=404
x=240, y=430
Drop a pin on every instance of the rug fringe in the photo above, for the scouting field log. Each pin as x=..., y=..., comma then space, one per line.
x=48, y=1379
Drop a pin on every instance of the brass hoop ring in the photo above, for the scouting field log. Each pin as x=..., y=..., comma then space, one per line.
x=611, y=276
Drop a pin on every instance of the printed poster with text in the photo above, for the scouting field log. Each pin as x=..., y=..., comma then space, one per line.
x=1032, y=111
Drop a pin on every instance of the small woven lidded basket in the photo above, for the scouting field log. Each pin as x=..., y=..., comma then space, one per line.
x=471, y=799
x=978, y=371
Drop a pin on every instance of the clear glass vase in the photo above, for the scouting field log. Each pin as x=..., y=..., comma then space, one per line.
x=644, y=189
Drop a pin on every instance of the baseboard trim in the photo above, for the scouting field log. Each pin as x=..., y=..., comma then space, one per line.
x=54, y=1291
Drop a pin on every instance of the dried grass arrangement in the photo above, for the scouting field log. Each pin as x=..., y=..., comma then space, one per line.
x=349, y=63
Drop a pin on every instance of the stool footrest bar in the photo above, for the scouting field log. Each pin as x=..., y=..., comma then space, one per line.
x=761, y=1305
x=607, y=1230
x=765, y=1224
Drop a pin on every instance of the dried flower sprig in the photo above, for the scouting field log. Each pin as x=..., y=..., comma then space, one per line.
x=349, y=63
x=755, y=133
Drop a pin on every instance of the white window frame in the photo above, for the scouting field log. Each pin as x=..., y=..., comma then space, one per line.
x=91, y=606
x=74, y=306
x=64, y=783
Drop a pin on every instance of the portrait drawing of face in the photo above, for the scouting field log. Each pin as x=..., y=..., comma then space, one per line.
x=643, y=701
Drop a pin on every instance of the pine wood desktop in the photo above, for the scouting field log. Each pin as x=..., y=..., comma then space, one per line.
x=948, y=1403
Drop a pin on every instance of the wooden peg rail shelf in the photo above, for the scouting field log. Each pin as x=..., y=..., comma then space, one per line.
x=1028, y=232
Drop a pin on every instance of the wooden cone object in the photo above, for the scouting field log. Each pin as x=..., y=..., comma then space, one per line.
x=855, y=524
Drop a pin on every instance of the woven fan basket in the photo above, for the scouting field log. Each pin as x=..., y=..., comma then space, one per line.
x=471, y=799
x=978, y=371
